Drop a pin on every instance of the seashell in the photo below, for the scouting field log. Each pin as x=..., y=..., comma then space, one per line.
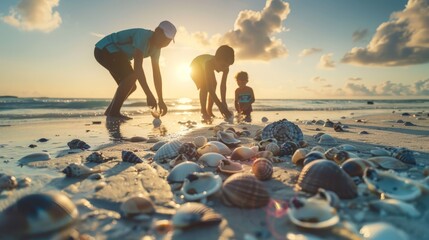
x=189, y=150
x=262, y=168
x=42, y=140
x=355, y=167
x=328, y=196
x=299, y=156
x=156, y=122
x=38, y=214
x=404, y=155
x=258, y=135
x=168, y=151
x=318, y=148
x=282, y=131
x=318, y=135
x=342, y=156
x=394, y=207
x=78, y=144
x=274, y=148
x=162, y=227
x=217, y=128
x=288, y=148
x=379, y=152
x=208, y=147
x=312, y=156
x=302, y=144
x=245, y=133
x=243, y=153
x=181, y=171
x=328, y=123
x=137, y=205
x=24, y=182
x=390, y=185
x=312, y=213
x=263, y=143
x=264, y=119
x=177, y=160
x=338, y=127
x=228, y=166
x=7, y=182
x=211, y=159
x=97, y=157
x=43, y=156
x=222, y=148
x=131, y=157
x=388, y=163
x=327, y=175
x=264, y=154
x=155, y=147
x=77, y=170
x=327, y=139
x=347, y=147
x=194, y=214
x=227, y=137
x=330, y=153
x=198, y=186
x=243, y=190
x=382, y=230
x=200, y=141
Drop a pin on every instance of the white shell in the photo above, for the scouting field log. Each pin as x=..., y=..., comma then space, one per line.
x=243, y=153
x=42, y=156
x=168, y=151
x=312, y=213
x=347, y=147
x=299, y=156
x=222, y=148
x=208, y=147
x=211, y=159
x=381, y=231
x=227, y=138
x=200, y=141
x=197, y=186
x=181, y=171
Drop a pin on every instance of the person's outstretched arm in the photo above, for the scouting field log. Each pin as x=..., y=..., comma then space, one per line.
x=211, y=87
x=158, y=85
x=138, y=68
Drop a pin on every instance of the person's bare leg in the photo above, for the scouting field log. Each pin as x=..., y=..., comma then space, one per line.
x=109, y=108
x=210, y=107
x=122, y=92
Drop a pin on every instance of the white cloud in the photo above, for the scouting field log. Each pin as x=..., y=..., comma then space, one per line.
x=309, y=51
x=403, y=40
x=30, y=15
x=359, y=35
x=326, y=61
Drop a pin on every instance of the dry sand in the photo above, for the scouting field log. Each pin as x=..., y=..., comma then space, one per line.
x=99, y=200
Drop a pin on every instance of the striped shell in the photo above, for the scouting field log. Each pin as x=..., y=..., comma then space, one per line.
x=97, y=157
x=227, y=137
x=222, y=148
x=327, y=139
x=243, y=190
x=194, y=214
x=262, y=168
x=208, y=147
x=211, y=159
x=263, y=143
x=282, y=131
x=242, y=153
x=197, y=185
x=189, y=149
x=228, y=166
x=299, y=156
x=168, y=151
x=404, y=155
x=77, y=170
x=78, y=144
x=155, y=147
x=131, y=157
x=38, y=214
x=288, y=148
x=137, y=205
x=181, y=171
x=388, y=163
x=327, y=175
x=200, y=141
x=355, y=167
x=274, y=148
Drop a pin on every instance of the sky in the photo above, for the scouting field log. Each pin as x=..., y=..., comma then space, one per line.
x=301, y=49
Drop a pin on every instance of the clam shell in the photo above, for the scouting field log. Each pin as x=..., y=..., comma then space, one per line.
x=155, y=147
x=288, y=148
x=131, y=157
x=299, y=156
x=330, y=153
x=181, y=171
x=382, y=230
x=137, y=205
x=391, y=185
x=208, y=147
x=282, y=131
x=38, y=214
x=189, y=150
x=168, y=151
x=388, y=163
x=200, y=141
x=77, y=170
x=327, y=175
x=197, y=186
x=327, y=139
x=274, y=148
x=194, y=214
x=222, y=148
x=312, y=156
x=227, y=138
x=211, y=159
x=243, y=153
x=78, y=144
x=33, y=157
x=228, y=166
x=243, y=190
x=312, y=213
x=262, y=168
x=355, y=167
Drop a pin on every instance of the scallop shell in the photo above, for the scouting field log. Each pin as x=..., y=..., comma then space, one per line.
x=282, y=131
x=243, y=153
x=222, y=148
x=227, y=137
x=382, y=230
x=391, y=185
x=228, y=166
x=78, y=144
x=197, y=186
x=327, y=139
x=77, y=170
x=194, y=214
x=330, y=153
x=274, y=148
x=404, y=155
x=208, y=147
x=288, y=148
x=312, y=213
x=211, y=159
x=312, y=156
x=327, y=175
x=97, y=157
x=168, y=151
x=263, y=143
x=262, y=168
x=299, y=156
x=189, y=149
x=181, y=171
x=137, y=205
x=38, y=214
x=243, y=190
x=131, y=157
x=200, y=141
x=155, y=147
x=355, y=167
x=388, y=163
x=7, y=182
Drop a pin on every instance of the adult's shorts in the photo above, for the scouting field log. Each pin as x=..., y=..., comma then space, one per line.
x=117, y=63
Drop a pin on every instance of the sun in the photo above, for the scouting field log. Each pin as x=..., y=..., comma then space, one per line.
x=183, y=71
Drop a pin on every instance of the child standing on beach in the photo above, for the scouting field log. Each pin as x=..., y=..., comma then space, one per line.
x=244, y=97
x=202, y=72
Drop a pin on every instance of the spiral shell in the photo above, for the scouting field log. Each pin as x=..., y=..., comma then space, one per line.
x=242, y=153
x=327, y=175
x=194, y=214
x=38, y=214
x=137, y=205
x=262, y=168
x=282, y=131
x=189, y=149
x=263, y=143
x=243, y=190
x=168, y=151
x=77, y=170
x=128, y=156
x=404, y=155
x=78, y=144
x=97, y=157
x=288, y=148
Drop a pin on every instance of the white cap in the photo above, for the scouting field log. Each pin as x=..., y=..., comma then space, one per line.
x=168, y=28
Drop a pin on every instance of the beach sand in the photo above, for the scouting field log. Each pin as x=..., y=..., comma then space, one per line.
x=99, y=196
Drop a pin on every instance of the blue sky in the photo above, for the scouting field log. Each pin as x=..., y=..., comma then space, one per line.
x=291, y=49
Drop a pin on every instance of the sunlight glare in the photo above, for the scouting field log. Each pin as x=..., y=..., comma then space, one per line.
x=184, y=71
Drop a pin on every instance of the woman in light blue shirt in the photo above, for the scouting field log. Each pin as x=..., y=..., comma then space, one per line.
x=115, y=51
